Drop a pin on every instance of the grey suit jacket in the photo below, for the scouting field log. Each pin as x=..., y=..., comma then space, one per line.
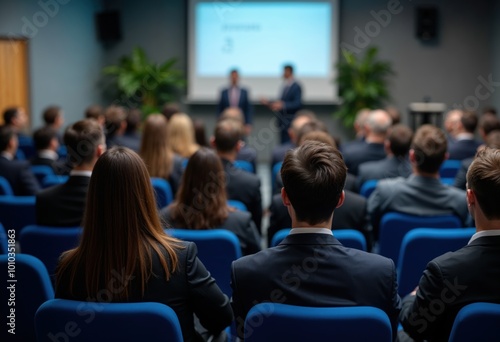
x=389, y=167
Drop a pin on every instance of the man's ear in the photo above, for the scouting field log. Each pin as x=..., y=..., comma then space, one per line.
x=341, y=199
x=471, y=197
x=101, y=148
x=212, y=142
x=284, y=197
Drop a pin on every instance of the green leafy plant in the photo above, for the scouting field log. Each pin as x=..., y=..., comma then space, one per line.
x=363, y=83
x=140, y=82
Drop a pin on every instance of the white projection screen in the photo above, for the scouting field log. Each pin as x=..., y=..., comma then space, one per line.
x=258, y=39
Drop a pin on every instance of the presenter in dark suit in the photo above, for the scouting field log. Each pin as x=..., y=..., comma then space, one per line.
x=288, y=104
x=63, y=205
x=471, y=274
x=310, y=267
x=236, y=96
x=17, y=172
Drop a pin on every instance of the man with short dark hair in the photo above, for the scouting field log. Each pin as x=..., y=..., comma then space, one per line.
x=63, y=205
x=464, y=145
x=53, y=117
x=469, y=275
x=16, y=118
x=46, y=146
x=310, y=267
x=236, y=96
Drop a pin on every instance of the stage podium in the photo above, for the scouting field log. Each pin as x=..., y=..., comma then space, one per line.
x=426, y=113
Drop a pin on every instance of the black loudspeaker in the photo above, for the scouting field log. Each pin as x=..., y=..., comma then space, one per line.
x=108, y=26
x=427, y=23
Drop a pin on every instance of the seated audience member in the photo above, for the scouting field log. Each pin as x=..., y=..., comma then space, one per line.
x=199, y=133
x=451, y=120
x=394, y=114
x=155, y=150
x=301, y=117
x=63, y=205
x=464, y=145
x=359, y=128
x=469, y=275
x=352, y=214
x=181, y=135
x=492, y=141
x=313, y=176
x=487, y=124
x=241, y=185
x=132, y=137
x=16, y=118
x=46, y=145
x=122, y=233
x=196, y=207
x=376, y=127
x=169, y=109
x=53, y=117
x=490, y=110
x=95, y=112
x=116, y=126
x=396, y=164
x=17, y=172
x=422, y=193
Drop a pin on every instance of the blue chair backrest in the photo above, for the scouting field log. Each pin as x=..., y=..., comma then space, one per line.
x=48, y=243
x=3, y=240
x=368, y=187
x=52, y=180
x=448, y=181
x=217, y=249
x=41, y=171
x=20, y=154
x=26, y=146
x=237, y=204
x=244, y=165
x=282, y=322
x=5, y=187
x=103, y=322
x=449, y=168
x=62, y=151
x=274, y=173
x=163, y=192
x=476, y=322
x=348, y=237
x=32, y=288
x=420, y=246
x=394, y=226
x=17, y=212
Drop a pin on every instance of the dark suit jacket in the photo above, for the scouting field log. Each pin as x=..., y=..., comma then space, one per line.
x=243, y=103
x=389, y=167
x=451, y=281
x=18, y=174
x=244, y=187
x=278, y=154
x=63, y=205
x=190, y=290
x=352, y=214
x=461, y=149
x=460, y=178
x=248, y=154
x=59, y=167
x=314, y=270
x=361, y=152
x=238, y=222
x=292, y=99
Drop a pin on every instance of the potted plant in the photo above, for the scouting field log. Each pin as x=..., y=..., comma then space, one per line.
x=140, y=82
x=363, y=83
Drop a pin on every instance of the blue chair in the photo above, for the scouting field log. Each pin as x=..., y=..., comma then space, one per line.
x=476, y=322
x=448, y=181
x=26, y=146
x=394, y=226
x=244, y=165
x=348, y=237
x=32, y=288
x=237, y=204
x=62, y=151
x=274, y=174
x=41, y=171
x=5, y=187
x=282, y=322
x=20, y=154
x=449, y=168
x=368, y=187
x=52, y=180
x=48, y=243
x=420, y=246
x=217, y=249
x=3, y=240
x=163, y=192
x=17, y=212
x=103, y=322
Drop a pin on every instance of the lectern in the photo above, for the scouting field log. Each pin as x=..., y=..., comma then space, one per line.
x=426, y=112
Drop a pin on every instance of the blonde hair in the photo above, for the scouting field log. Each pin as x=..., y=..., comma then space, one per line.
x=155, y=150
x=181, y=135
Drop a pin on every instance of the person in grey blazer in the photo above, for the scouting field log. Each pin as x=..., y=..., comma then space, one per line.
x=396, y=164
x=422, y=193
x=471, y=274
x=310, y=267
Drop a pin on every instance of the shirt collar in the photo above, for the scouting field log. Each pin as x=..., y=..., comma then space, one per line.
x=48, y=154
x=464, y=136
x=311, y=231
x=492, y=232
x=80, y=173
x=7, y=155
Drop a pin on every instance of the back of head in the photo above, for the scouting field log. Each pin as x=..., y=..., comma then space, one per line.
x=310, y=126
x=134, y=117
x=394, y=114
x=6, y=134
x=233, y=113
x=50, y=114
x=488, y=123
x=313, y=176
x=43, y=137
x=155, y=150
x=400, y=137
x=82, y=139
x=483, y=177
x=319, y=136
x=94, y=112
x=181, y=134
x=493, y=139
x=227, y=135
x=469, y=121
x=199, y=132
x=490, y=110
x=9, y=114
x=302, y=117
x=169, y=109
x=429, y=145
x=115, y=116
x=378, y=122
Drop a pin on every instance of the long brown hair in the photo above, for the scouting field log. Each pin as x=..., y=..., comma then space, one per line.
x=201, y=202
x=155, y=150
x=121, y=227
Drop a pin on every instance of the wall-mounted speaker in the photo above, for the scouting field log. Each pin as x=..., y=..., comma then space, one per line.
x=427, y=23
x=108, y=25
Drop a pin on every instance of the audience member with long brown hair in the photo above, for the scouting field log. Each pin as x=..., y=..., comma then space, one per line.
x=125, y=256
x=156, y=153
x=181, y=135
x=201, y=202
